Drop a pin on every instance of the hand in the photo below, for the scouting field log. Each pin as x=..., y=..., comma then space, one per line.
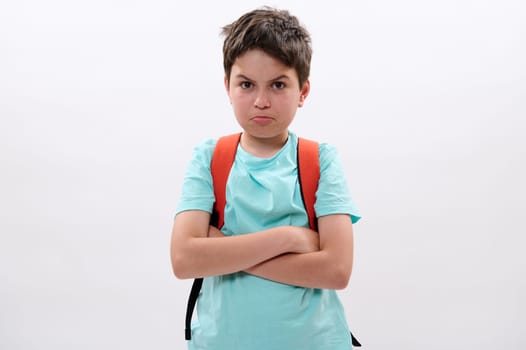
x=214, y=232
x=306, y=240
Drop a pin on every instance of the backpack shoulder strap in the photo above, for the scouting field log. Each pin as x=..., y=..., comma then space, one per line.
x=308, y=176
x=222, y=161
x=220, y=165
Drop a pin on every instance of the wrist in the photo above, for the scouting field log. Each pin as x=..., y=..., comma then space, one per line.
x=293, y=241
x=284, y=238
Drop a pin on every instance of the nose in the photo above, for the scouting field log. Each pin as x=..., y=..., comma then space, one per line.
x=262, y=100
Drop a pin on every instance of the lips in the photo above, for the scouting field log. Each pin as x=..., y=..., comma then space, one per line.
x=261, y=119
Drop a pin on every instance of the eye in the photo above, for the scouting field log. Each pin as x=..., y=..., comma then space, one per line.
x=245, y=84
x=278, y=85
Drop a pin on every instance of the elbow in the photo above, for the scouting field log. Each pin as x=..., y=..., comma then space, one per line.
x=180, y=271
x=181, y=263
x=340, y=282
x=179, y=267
x=340, y=278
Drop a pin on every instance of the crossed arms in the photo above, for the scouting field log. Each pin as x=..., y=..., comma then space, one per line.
x=287, y=254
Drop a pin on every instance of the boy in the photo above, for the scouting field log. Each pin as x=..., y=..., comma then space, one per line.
x=269, y=281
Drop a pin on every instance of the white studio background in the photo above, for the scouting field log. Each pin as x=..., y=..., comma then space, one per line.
x=101, y=103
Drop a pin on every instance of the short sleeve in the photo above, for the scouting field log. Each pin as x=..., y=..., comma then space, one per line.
x=333, y=195
x=198, y=192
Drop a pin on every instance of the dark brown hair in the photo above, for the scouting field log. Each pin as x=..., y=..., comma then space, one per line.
x=276, y=32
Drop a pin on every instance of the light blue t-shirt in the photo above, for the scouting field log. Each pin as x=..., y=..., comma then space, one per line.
x=240, y=311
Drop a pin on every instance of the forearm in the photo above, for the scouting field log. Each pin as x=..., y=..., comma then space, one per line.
x=310, y=270
x=210, y=256
x=330, y=267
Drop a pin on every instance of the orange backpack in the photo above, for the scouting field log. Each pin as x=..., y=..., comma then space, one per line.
x=222, y=161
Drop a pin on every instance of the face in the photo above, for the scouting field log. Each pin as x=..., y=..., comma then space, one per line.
x=265, y=95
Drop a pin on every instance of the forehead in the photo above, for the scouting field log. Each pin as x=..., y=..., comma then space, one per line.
x=257, y=63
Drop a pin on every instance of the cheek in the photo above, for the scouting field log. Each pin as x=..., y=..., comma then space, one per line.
x=240, y=105
x=292, y=102
x=240, y=100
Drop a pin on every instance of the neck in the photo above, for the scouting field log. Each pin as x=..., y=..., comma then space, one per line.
x=263, y=147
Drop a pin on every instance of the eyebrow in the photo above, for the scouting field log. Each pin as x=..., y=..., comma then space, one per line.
x=280, y=77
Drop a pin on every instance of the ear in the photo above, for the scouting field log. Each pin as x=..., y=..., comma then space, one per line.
x=227, y=85
x=227, y=88
x=304, y=93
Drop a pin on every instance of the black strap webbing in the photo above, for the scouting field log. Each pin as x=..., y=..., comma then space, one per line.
x=355, y=341
x=192, y=299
